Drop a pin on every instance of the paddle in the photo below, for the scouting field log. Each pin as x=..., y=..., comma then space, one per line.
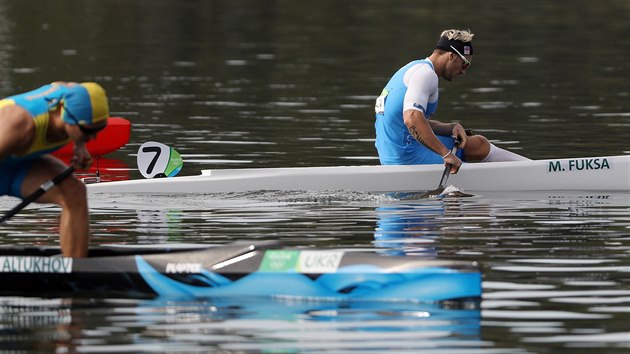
x=38, y=193
x=445, y=174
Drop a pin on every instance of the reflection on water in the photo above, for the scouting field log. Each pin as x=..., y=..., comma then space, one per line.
x=236, y=325
x=555, y=268
x=408, y=228
x=103, y=169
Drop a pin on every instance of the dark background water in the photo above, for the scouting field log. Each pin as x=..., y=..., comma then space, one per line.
x=278, y=83
x=293, y=83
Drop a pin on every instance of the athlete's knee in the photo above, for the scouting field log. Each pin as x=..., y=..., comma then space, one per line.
x=73, y=193
x=480, y=140
x=477, y=148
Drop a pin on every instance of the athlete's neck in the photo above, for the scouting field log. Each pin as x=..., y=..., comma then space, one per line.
x=56, y=126
x=438, y=58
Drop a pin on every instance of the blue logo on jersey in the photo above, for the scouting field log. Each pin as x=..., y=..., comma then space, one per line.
x=419, y=107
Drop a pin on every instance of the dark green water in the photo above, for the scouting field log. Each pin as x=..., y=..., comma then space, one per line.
x=293, y=83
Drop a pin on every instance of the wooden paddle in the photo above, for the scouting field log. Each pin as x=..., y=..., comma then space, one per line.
x=38, y=193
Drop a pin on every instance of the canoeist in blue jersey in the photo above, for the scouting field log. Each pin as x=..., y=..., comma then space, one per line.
x=405, y=132
x=38, y=122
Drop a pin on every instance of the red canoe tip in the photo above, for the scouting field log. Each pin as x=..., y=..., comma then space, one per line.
x=110, y=139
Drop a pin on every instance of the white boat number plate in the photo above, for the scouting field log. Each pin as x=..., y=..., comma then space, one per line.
x=158, y=160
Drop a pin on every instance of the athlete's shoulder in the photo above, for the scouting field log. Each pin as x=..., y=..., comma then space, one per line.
x=14, y=116
x=421, y=72
x=16, y=123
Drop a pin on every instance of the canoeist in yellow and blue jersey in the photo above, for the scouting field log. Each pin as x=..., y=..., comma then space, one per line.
x=35, y=123
x=406, y=134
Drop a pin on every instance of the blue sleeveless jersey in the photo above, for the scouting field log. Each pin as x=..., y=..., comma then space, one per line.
x=395, y=145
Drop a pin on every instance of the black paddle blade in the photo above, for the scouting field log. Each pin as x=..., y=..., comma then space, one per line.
x=458, y=194
x=447, y=172
x=431, y=194
x=436, y=193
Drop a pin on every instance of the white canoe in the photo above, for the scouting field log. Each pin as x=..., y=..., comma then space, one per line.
x=609, y=173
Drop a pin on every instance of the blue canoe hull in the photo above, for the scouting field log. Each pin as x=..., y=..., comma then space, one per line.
x=242, y=269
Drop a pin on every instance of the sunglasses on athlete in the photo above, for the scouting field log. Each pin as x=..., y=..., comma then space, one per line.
x=466, y=63
x=86, y=131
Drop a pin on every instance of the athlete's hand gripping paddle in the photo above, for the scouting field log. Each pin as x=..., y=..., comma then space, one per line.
x=38, y=193
x=444, y=179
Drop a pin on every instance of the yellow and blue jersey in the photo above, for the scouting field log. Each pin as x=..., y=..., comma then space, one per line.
x=13, y=169
x=81, y=104
x=38, y=103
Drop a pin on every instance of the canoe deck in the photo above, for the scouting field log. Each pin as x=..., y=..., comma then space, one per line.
x=579, y=174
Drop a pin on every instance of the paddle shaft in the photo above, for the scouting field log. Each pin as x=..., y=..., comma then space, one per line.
x=445, y=174
x=38, y=193
x=447, y=169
